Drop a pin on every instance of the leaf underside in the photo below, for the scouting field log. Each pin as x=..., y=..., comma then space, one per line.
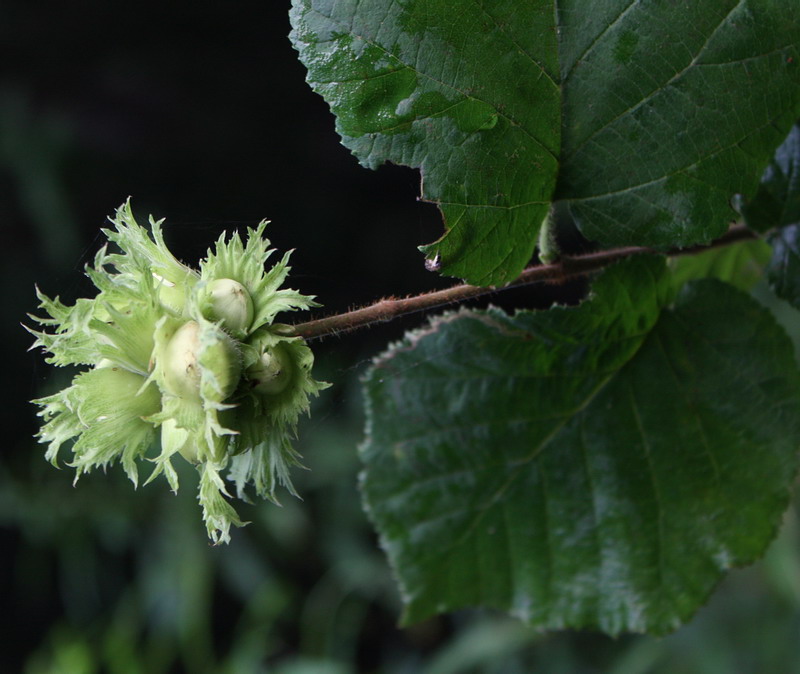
x=776, y=209
x=644, y=118
x=598, y=466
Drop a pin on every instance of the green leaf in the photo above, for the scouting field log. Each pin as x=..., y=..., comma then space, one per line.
x=644, y=118
x=598, y=466
x=740, y=264
x=456, y=91
x=669, y=111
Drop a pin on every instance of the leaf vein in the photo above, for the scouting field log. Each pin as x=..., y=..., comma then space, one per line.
x=681, y=170
x=516, y=44
x=656, y=491
x=657, y=90
x=599, y=37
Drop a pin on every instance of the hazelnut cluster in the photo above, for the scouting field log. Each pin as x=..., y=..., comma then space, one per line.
x=190, y=358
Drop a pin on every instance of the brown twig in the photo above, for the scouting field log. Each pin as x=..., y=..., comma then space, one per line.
x=566, y=268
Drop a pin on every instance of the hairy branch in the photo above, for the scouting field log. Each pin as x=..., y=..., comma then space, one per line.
x=566, y=268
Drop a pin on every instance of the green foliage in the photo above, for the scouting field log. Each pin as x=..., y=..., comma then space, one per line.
x=644, y=119
x=598, y=466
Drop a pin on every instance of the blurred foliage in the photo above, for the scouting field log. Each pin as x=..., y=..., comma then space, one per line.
x=203, y=115
x=123, y=581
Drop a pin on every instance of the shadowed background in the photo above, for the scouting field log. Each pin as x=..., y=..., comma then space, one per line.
x=200, y=112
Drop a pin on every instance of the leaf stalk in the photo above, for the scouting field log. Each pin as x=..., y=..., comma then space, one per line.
x=565, y=269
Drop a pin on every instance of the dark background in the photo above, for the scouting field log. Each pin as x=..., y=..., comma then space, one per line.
x=201, y=113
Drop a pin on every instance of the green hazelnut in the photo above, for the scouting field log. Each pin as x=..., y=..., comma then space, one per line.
x=272, y=372
x=185, y=359
x=181, y=369
x=228, y=301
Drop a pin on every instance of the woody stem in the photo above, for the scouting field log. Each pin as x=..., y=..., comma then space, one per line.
x=568, y=267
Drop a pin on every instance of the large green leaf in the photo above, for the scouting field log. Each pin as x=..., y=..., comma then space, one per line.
x=776, y=207
x=670, y=109
x=468, y=95
x=598, y=466
x=645, y=117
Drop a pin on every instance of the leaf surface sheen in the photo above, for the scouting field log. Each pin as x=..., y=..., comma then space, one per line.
x=598, y=466
x=644, y=117
x=427, y=84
